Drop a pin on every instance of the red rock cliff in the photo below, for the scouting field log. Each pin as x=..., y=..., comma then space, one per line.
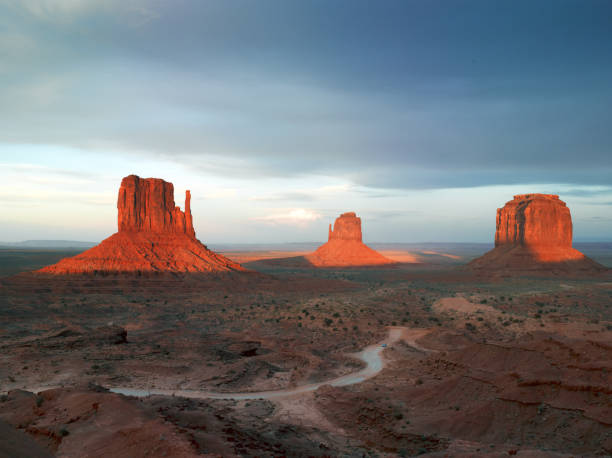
x=534, y=233
x=534, y=220
x=346, y=227
x=147, y=204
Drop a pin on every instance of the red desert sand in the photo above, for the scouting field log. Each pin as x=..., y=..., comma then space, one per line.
x=345, y=246
x=154, y=236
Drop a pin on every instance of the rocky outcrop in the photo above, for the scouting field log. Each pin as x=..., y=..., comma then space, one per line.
x=344, y=246
x=536, y=220
x=534, y=232
x=148, y=205
x=154, y=235
x=346, y=227
x=15, y=443
x=90, y=422
x=74, y=337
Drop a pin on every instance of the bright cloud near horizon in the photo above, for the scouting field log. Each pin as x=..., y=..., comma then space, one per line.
x=279, y=115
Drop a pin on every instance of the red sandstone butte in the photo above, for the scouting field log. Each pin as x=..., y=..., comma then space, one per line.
x=345, y=247
x=148, y=206
x=153, y=235
x=534, y=232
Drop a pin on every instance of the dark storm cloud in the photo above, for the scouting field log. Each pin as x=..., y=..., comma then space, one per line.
x=395, y=94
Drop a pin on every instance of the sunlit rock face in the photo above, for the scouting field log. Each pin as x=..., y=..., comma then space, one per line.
x=147, y=204
x=346, y=227
x=154, y=236
x=535, y=220
x=534, y=232
x=344, y=246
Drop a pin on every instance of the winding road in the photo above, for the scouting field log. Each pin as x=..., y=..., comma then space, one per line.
x=371, y=355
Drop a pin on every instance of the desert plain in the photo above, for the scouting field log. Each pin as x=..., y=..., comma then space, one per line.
x=484, y=365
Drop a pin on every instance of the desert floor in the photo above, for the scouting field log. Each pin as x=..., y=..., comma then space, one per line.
x=477, y=366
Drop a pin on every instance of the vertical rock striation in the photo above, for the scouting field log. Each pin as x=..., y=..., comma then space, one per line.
x=536, y=220
x=147, y=205
x=534, y=232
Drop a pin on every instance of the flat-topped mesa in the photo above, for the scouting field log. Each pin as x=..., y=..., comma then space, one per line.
x=147, y=205
x=534, y=220
x=345, y=247
x=534, y=233
x=346, y=227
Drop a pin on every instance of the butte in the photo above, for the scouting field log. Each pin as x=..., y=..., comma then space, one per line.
x=153, y=235
x=345, y=248
x=534, y=233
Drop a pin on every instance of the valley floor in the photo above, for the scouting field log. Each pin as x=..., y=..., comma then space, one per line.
x=480, y=367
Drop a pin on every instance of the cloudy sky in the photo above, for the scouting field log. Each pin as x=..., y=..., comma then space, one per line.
x=421, y=116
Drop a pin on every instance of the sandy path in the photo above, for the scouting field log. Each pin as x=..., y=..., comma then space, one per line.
x=371, y=355
x=410, y=336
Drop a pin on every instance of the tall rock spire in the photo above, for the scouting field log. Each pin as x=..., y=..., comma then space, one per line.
x=188, y=219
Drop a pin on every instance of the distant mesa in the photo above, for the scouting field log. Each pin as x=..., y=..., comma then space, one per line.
x=345, y=248
x=153, y=235
x=534, y=233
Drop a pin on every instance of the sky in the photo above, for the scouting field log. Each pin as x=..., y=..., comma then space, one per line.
x=423, y=117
